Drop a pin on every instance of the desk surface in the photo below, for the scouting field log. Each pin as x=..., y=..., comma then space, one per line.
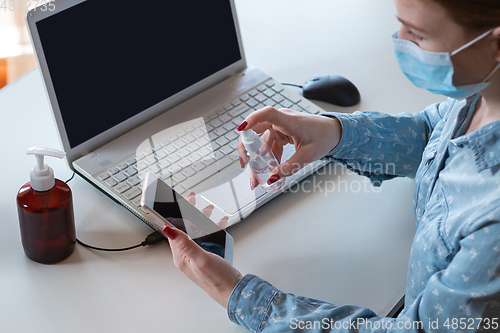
x=349, y=246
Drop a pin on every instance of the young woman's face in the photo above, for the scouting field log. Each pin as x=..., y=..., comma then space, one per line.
x=427, y=24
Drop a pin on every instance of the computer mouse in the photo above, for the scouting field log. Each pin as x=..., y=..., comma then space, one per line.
x=333, y=89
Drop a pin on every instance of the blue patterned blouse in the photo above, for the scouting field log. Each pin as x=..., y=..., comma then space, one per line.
x=454, y=268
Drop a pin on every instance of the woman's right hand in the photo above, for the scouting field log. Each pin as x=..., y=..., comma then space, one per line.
x=313, y=136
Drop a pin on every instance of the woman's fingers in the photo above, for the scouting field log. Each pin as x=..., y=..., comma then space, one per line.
x=223, y=222
x=277, y=126
x=313, y=136
x=242, y=153
x=266, y=135
x=277, y=141
x=208, y=210
x=261, y=127
x=267, y=116
x=191, y=198
x=209, y=271
x=287, y=127
x=253, y=181
x=241, y=148
x=184, y=249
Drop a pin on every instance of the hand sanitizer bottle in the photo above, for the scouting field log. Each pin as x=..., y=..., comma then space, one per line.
x=262, y=160
x=45, y=208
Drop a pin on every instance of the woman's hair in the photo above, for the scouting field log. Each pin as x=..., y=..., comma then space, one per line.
x=473, y=15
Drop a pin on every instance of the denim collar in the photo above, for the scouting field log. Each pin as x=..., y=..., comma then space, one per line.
x=485, y=143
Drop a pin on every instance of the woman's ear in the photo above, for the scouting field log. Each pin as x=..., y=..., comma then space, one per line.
x=496, y=34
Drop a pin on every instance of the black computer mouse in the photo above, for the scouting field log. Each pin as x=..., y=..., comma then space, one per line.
x=333, y=89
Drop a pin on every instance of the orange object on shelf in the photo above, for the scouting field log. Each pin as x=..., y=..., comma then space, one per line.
x=3, y=72
x=16, y=53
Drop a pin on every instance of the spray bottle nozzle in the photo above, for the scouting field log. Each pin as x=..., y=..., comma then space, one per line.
x=249, y=135
x=42, y=176
x=251, y=141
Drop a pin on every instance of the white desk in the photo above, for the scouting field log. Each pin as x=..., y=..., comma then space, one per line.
x=346, y=247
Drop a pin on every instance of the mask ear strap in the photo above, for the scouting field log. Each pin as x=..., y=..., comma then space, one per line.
x=472, y=42
x=491, y=74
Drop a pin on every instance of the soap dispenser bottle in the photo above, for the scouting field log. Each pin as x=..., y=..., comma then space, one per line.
x=261, y=160
x=45, y=208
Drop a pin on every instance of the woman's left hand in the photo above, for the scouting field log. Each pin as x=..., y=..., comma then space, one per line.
x=210, y=272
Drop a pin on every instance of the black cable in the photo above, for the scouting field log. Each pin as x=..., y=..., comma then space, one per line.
x=110, y=250
x=153, y=238
x=293, y=85
x=72, y=176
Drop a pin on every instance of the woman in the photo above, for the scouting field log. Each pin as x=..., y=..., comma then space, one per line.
x=451, y=47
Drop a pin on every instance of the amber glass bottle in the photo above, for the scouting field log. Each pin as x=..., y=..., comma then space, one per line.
x=47, y=222
x=45, y=208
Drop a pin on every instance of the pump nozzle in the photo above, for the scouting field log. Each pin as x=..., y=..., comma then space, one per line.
x=42, y=176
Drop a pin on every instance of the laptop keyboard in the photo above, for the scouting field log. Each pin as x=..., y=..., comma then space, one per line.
x=200, y=150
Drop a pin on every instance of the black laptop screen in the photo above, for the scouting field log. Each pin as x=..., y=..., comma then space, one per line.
x=111, y=60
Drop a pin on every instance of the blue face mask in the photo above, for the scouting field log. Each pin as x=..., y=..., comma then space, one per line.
x=434, y=70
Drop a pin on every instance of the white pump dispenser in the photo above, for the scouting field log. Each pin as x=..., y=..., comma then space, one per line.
x=261, y=160
x=42, y=176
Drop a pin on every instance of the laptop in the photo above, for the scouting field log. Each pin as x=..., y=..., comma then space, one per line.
x=160, y=87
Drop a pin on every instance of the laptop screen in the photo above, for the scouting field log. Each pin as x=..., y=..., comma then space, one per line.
x=109, y=60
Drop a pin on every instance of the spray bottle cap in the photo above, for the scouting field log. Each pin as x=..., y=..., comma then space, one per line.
x=251, y=141
x=42, y=176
